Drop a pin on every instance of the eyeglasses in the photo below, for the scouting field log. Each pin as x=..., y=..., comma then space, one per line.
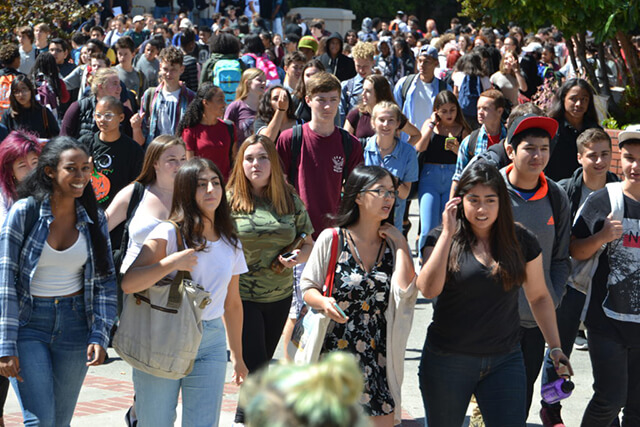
x=107, y=117
x=382, y=193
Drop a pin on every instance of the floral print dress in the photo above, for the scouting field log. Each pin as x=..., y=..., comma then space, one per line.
x=364, y=298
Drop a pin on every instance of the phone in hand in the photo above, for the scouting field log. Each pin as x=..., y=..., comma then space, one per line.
x=337, y=307
x=289, y=256
x=450, y=142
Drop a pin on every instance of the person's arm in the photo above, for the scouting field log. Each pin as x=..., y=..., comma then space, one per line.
x=427, y=132
x=152, y=264
x=403, y=189
x=522, y=83
x=461, y=163
x=583, y=249
x=116, y=213
x=434, y=271
x=279, y=118
x=414, y=133
x=136, y=128
x=71, y=121
x=348, y=127
x=560, y=267
x=232, y=319
x=64, y=93
x=543, y=310
x=404, y=269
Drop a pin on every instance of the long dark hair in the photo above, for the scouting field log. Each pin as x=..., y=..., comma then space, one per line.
x=362, y=178
x=193, y=115
x=253, y=44
x=301, y=90
x=505, y=248
x=447, y=97
x=16, y=108
x=382, y=90
x=39, y=185
x=557, y=110
x=265, y=109
x=45, y=68
x=185, y=210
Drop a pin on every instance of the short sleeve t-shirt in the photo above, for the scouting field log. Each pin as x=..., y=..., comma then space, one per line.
x=474, y=314
x=167, y=108
x=591, y=221
x=361, y=122
x=116, y=165
x=220, y=257
x=212, y=142
x=320, y=166
x=243, y=117
x=422, y=103
x=264, y=234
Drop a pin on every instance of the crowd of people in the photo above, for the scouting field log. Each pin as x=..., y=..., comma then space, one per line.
x=264, y=154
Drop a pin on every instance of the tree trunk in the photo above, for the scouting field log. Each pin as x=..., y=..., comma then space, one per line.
x=631, y=57
x=582, y=55
x=572, y=54
x=622, y=66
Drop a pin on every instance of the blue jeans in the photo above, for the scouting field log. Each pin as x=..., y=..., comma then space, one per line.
x=616, y=382
x=447, y=381
x=568, y=315
x=157, y=398
x=433, y=192
x=52, y=350
x=160, y=12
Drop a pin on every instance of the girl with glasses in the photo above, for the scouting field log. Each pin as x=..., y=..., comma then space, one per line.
x=371, y=307
x=26, y=113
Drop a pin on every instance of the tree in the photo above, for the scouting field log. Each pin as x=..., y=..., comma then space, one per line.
x=608, y=20
x=58, y=14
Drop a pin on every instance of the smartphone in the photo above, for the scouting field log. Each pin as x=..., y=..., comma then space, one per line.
x=337, y=307
x=449, y=141
x=289, y=256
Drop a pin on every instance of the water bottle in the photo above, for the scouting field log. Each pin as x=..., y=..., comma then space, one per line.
x=557, y=390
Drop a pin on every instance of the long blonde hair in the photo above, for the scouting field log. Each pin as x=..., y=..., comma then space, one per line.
x=155, y=149
x=243, y=88
x=278, y=191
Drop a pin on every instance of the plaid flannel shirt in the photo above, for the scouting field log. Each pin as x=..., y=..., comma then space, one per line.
x=19, y=256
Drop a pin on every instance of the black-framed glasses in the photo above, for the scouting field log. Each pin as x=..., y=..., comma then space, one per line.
x=380, y=192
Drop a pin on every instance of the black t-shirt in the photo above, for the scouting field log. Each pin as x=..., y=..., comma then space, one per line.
x=436, y=153
x=564, y=151
x=590, y=221
x=474, y=315
x=33, y=120
x=116, y=164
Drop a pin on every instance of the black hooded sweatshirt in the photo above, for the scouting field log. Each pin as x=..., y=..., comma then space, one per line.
x=341, y=66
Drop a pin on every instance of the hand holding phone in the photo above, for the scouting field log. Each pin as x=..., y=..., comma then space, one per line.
x=289, y=256
x=339, y=310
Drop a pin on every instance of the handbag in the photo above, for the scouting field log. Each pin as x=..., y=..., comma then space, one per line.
x=161, y=327
x=311, y=326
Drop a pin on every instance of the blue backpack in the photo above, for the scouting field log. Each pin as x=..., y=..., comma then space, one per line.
x=226, y=75
x=470, y=91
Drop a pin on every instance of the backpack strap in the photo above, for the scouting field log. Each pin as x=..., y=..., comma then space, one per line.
x=232, y=135
x=136, y=197
x=296, y=148
x=347, y=147
x=32, y=215
x=473, y=141
x=45, y=122
x=616, y=197
x=408, y=81
x=442, y=85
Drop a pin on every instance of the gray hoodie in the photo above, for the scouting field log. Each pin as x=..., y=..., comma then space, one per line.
x=553, y=233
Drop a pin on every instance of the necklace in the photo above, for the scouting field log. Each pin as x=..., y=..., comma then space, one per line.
x=357, y=254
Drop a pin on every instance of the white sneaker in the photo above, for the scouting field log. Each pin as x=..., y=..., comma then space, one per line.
x=581, y=344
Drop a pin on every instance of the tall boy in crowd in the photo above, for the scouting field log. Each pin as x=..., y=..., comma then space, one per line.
x=543, y=207
x=613, y=315
x=293, y=66
x=147, y=62
x=162, y=107
x=27, y=50
x=594, y=155
x=133, y=79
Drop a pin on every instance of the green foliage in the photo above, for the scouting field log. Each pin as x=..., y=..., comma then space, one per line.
x=16, y=13
x=630, y=106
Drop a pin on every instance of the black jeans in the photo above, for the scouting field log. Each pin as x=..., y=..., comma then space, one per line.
x=616, y=382
x=568, y=315
x=261, y=330
x=532, y=344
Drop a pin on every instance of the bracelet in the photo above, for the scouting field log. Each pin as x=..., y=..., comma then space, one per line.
x=554, y=349
x=282, y=109
x=432, y=125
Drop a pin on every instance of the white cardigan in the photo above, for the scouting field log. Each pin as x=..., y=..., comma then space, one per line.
x=399, y=314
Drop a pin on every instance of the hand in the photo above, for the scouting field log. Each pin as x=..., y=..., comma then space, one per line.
x=283, y=101
x=387, y=230
x=452, y=145
x=559, y=358
x=449, y=216
x=291, y=261
x=136, y=120
x=95, y=355
x=184, y=260
x=10, y=367
x=329, y=309
x=612, y=229
x=240, y=372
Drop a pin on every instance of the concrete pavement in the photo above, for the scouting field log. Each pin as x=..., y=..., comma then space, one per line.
x=108, y=392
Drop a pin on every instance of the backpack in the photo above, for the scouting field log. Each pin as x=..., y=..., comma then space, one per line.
x=268, y=67
x=470, y=91
x=46, y=95
x=296, y=147
x=226, y=75
x=5, y=91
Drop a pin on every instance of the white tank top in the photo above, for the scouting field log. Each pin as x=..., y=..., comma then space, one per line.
x=60, y=272
x=139, y=228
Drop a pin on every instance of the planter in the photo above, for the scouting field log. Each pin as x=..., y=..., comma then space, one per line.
x=615, y=152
